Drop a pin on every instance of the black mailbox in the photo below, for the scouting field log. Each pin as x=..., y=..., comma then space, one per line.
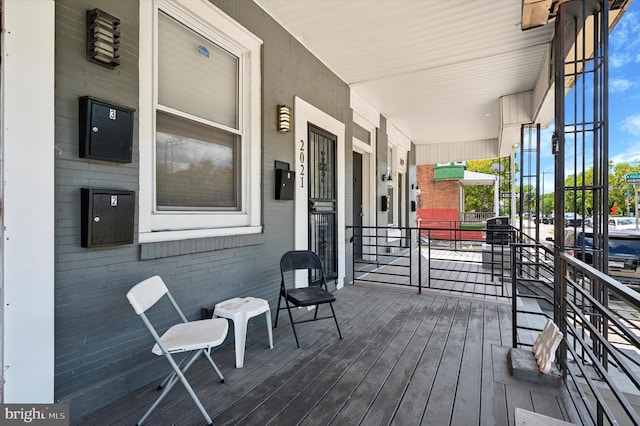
x=106, y=131
x=498, y=230
x=285, y=180
x=107, y=217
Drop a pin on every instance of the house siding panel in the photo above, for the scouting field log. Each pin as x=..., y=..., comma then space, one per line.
x=102, y=348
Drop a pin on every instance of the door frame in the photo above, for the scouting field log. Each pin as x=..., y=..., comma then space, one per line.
x=305, y=114
x=369, y=119
x=368, y=193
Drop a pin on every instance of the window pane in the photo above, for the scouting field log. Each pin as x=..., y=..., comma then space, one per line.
x=195, y=75
x=196, y=165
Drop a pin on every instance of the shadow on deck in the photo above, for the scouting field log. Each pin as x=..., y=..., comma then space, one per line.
x=405, y=359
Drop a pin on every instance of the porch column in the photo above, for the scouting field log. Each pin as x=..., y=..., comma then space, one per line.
x=28, y=201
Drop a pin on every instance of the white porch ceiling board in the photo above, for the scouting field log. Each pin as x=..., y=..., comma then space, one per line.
x=456, y=151
x=435, y=69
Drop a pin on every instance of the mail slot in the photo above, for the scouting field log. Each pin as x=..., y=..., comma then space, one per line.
x=107, y=217
x=322, y=206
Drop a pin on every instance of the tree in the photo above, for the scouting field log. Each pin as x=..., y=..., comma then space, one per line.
x=480, y=198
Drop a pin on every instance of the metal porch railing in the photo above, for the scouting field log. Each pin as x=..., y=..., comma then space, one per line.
x=600, y=319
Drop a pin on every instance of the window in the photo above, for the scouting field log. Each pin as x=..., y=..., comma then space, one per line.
x=199, y=123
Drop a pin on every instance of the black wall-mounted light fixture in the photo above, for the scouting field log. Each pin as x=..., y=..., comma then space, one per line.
x=415, y=188
x=103, y=38
x=284, y=119
x=386, y=175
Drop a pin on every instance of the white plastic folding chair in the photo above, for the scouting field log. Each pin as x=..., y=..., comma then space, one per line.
x=195, y=336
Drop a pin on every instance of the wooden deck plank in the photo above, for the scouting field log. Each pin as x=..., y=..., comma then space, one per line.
x=386, y=402
x=353, y=392
x=493, y=398
x=466, y=406
x=440, y=403
x=367, y=390
x=543, y=404
x=322, y=382
x=415, y=398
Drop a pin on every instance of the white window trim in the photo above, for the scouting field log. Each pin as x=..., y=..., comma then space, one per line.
x=166, y=226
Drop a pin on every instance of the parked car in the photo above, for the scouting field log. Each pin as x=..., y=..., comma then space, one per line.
x=624, y=253
x=588, y=221
x=572, y=219
x=548, y=219
x=622, y=223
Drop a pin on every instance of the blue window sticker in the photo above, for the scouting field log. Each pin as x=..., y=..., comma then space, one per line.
x=203, y=51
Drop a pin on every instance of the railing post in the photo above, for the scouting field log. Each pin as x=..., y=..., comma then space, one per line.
x=561, y=313
x=514, y=299
x=419, y=262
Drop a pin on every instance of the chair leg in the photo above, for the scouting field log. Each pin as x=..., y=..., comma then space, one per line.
x=267, y=315
x=335, y=319
x=278, y=311
x=172, y=375
x=207, y=353
x=180, y=375
x=292, y=323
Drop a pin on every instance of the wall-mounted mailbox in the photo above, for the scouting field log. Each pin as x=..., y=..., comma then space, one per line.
x=107, y=217
x=413, y=206
x=285, y=179
x=384, y=203
x=106, y=131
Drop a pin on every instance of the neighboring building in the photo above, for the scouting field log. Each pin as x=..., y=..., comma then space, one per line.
x=441, y=198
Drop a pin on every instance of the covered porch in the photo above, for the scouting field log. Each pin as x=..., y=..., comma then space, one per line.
x=404, y=359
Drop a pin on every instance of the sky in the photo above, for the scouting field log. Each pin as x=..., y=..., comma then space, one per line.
x=624, y=98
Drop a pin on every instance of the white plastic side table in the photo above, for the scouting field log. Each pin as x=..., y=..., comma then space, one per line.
x=239, y=310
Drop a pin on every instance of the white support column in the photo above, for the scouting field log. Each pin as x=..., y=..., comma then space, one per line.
x=27, y=109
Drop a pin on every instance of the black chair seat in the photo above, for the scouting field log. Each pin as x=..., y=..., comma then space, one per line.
x=314, y=294
x=309, y=296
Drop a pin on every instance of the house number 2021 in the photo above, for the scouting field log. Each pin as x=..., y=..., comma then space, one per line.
x=302, y=159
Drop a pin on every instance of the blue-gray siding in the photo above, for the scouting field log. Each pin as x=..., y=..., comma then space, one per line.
x=102, y=348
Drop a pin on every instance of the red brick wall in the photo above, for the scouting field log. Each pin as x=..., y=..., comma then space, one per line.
x=441, y=195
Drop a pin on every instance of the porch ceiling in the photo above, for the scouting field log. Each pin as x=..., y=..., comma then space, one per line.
x=436, y=70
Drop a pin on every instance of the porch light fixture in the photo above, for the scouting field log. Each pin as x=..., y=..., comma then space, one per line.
x=386, y=175
x=284, y=119
x=103, y=38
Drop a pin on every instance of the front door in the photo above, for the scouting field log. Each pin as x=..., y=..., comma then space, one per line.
x=357, y=206
x=322, y=198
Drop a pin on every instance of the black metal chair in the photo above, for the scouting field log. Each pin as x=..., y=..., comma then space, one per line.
x=314, y=294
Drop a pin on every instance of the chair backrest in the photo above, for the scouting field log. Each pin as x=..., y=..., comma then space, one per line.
x=146, y=293
x=303, y=259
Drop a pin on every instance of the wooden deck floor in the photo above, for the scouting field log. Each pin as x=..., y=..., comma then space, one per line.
x=405, y=359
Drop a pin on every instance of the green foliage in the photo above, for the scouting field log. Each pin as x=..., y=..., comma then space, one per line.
x=578, y=196
x=479, y=198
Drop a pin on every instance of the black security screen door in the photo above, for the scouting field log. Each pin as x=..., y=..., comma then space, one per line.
x=322, y=198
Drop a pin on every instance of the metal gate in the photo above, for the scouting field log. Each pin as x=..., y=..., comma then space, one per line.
x=322, y=198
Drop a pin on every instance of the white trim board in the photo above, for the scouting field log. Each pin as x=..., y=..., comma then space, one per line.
x=28, y=201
